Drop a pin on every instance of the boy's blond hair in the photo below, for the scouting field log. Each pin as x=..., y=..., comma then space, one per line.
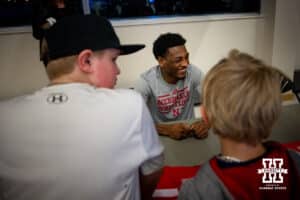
x=241, y=96
x=60, y=66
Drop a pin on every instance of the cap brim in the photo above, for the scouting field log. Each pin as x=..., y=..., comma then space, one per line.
x=128, y=49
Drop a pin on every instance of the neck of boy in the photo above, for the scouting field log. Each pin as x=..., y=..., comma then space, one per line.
x=239, y=150
x=67, y=79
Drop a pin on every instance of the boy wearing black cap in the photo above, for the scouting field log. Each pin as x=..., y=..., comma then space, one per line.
x=77, y=138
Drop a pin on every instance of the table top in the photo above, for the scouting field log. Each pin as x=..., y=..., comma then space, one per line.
x=190, y=151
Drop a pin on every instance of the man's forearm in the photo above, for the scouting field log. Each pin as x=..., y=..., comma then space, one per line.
x=163, y=129
x=174, y=130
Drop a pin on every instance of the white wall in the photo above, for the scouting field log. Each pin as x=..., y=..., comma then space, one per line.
x=20, y=69
x=272, y=36
x=208, y=40
x=286, y=49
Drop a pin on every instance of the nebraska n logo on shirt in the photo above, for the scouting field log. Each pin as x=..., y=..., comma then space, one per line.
x=272, y=170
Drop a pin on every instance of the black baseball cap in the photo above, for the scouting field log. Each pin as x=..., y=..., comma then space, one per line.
x=72, y=34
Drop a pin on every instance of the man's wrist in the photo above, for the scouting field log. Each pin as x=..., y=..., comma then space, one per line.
x=163, y=129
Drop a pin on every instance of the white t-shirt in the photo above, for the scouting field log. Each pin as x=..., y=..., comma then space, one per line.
x=74, y=141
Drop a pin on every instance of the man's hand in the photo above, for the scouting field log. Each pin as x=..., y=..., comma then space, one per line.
x=176, y=131
x=199, y=129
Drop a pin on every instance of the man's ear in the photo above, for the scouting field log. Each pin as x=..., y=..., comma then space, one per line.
x=84, y=61
x=161, y=61
x=204, y=114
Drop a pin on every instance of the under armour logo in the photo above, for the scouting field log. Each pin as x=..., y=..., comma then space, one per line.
x=57, y=98
x=272, y=170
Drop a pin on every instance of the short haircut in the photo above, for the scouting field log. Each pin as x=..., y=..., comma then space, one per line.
x=166, y=41
x=241, y=96
x=60, y=66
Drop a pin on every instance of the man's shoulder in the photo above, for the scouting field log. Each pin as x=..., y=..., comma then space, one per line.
x=150, y=74
x=194, y=69
x=195, y=73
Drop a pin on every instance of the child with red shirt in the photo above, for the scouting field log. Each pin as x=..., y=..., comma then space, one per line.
x=241, y=102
